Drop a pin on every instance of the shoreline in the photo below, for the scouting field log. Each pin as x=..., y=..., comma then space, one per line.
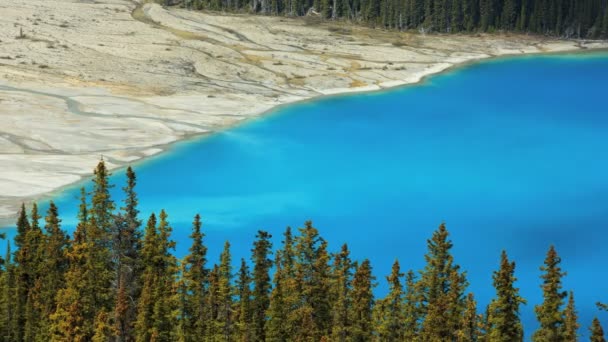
x=172, y=76
x=6, y=222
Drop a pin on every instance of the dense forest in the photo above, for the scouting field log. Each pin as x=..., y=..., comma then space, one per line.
x=561, y=18
x=117, y=279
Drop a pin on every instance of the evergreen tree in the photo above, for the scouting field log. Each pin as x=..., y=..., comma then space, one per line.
x=54, y=265
x=549, y=314
x=277, y=328
x=245, y=331
x=262, y=248
x=363, y=302
x=311, y=317
x=284, y=298
x=127, y=249
x=469, y=326
x=156, y=319
x=597, y=333
x=571, y=321
x=411, y=309
x=195, y=277
x=91, y=278
x=8, y=322
x=389, y=310
x=503, y=320
x=442, y=288
x=342, y=297
x=224, y=322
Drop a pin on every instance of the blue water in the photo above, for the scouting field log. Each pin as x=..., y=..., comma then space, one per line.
x=511, y=154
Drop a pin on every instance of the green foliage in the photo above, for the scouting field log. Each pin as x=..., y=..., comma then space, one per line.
x=571, y=324
x=362, y=302
x=111, y=283
x=503, y=319
x=262, y=248
x=549, y=313
x=597, y=332
x=580, y=19
x=389, y=310
x=442, y=286
x=341, y=287
x=196, y=285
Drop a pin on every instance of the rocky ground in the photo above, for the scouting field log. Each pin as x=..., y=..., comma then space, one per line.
x=81, y=79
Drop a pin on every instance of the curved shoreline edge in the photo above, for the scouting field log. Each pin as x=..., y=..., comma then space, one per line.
x=66, y=120
x=6, y=222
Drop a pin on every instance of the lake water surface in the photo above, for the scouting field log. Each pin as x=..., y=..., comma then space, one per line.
x=510, y=153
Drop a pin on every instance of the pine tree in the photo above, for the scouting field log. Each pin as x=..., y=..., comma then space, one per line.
x=311, y=317
x=103, y=329
x=71, y=320
x=597, y=333
x=262, y=248
x=285, y=295
x=24, y=272
x=54, y=265
x=469, y=325
x=503, y=320
x=195, y=278
x=342, y=275
x=91, y=276
x=362, y=302
x=571, y=320
x=442, y=288
x=145, y=305
x=245, y=331
x=389, y=310
x=156, y=319
x=224, y=322
x=102, y=207
x=8, y=323
x=277, y=328
x=549, y=314
x=411, y=311
x=127, y=249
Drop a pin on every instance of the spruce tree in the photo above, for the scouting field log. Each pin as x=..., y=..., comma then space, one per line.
x=312, y=317
x=8, y=323
x=342, y=296
x=277, y=328
x=54, y=265
x=225, y=319
x=469, y=325
x=503, y=320
x=389, y=310
x=362, y=302
x=411, y=311
x=127, y=249
x=244, y=322
x=571, y=324
x=597, y=332
x=91, y=277
x=262, y=249
x=442, y=286
x=549, y=313
x=195, y=277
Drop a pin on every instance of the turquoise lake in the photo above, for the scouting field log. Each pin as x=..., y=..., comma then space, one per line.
x=510, y=153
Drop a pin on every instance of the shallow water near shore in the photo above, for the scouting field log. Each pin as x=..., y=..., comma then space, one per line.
x=510, y=153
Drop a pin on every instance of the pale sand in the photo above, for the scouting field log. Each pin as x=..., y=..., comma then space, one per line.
x=88, y=79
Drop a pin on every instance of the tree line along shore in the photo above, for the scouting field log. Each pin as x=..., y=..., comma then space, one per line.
x=561, y=18
x=117, y=279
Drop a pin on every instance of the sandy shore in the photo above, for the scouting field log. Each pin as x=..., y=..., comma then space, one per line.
x=81, y=79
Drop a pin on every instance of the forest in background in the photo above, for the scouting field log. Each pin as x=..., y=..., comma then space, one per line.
x=117, y=279
x=558, y=18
